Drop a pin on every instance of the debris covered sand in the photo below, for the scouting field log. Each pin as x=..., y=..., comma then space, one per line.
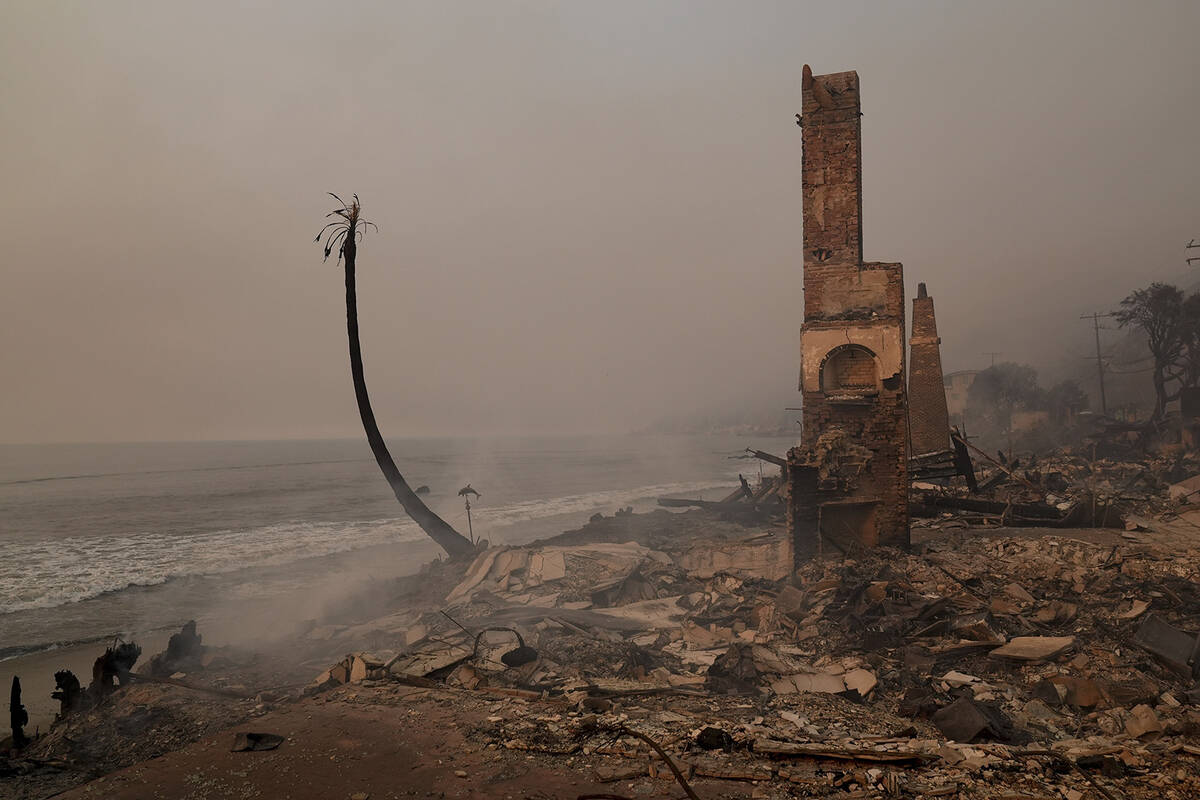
x=1049, y=665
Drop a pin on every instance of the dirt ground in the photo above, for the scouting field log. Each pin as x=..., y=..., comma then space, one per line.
x=374, y=742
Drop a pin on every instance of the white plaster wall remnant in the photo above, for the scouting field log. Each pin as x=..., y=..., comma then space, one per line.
x=884, y=341
x=862, y=290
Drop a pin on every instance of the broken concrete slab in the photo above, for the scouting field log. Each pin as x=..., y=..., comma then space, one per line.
x=1017, y=592
x=355, y=667
x=956, y=679
x=1143, y=723
x=821, y=682
x=502, y=570
x=862, y=681
x=430, y=656
x=547, y=566
x=1033, y=648
x=765, y=556
x=476, y=574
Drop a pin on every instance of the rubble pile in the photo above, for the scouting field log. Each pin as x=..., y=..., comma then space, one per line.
x=1064, y=489
x=646, y=651
x=1036, y=662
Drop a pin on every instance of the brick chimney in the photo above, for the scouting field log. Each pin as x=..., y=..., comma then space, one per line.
x=928, y=416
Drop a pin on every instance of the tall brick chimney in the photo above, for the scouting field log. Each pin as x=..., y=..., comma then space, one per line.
x=848, y=479
x=928, y=416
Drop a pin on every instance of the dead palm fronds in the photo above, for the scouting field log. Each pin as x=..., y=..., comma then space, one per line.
x=349, y=227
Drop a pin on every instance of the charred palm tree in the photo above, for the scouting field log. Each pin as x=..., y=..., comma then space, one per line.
x=343, y=235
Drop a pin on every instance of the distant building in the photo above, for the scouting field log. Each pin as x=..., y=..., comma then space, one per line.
x=958, y=384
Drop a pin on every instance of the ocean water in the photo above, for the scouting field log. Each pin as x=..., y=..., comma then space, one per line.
x=101, y=540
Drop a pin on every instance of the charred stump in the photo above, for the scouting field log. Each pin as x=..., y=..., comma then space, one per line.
x=183, y=654
x=67, y=692
x=17, y=715
x=115, y=664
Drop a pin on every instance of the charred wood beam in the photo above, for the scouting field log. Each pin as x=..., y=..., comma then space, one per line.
x=769, y=485
x=962, y=461
x=186, y=685
x=928, y=504
x=718, y=505
x=958, y=439
x=1032, y=510
x=623, y=730
x=768, y=457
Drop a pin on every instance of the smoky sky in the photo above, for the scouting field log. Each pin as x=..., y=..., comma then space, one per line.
x=589, y=213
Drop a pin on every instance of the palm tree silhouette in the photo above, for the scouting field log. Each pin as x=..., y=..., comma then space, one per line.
x=343, y=234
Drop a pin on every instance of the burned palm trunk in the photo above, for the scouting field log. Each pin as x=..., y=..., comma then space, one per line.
x=342, y=235
x=17, y=715
x=434, y=526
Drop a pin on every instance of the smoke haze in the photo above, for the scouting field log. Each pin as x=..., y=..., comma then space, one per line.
x=590, y=214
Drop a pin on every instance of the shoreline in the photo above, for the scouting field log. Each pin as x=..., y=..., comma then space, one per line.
x=237, y=623
x=123, y=612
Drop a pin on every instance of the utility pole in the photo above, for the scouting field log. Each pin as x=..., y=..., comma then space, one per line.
x=1192, y=245
x=1095, y=318
x=993, y=355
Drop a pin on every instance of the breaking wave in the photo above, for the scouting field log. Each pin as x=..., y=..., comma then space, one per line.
x=55, y=572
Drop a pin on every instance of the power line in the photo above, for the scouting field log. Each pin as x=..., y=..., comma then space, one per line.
x=1095, y=318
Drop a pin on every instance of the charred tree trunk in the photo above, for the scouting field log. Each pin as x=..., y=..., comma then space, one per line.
x=1160, y=393
x=17, y=715
x=437, y=528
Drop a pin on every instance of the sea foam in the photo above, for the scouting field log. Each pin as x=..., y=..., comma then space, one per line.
x=54, y=572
